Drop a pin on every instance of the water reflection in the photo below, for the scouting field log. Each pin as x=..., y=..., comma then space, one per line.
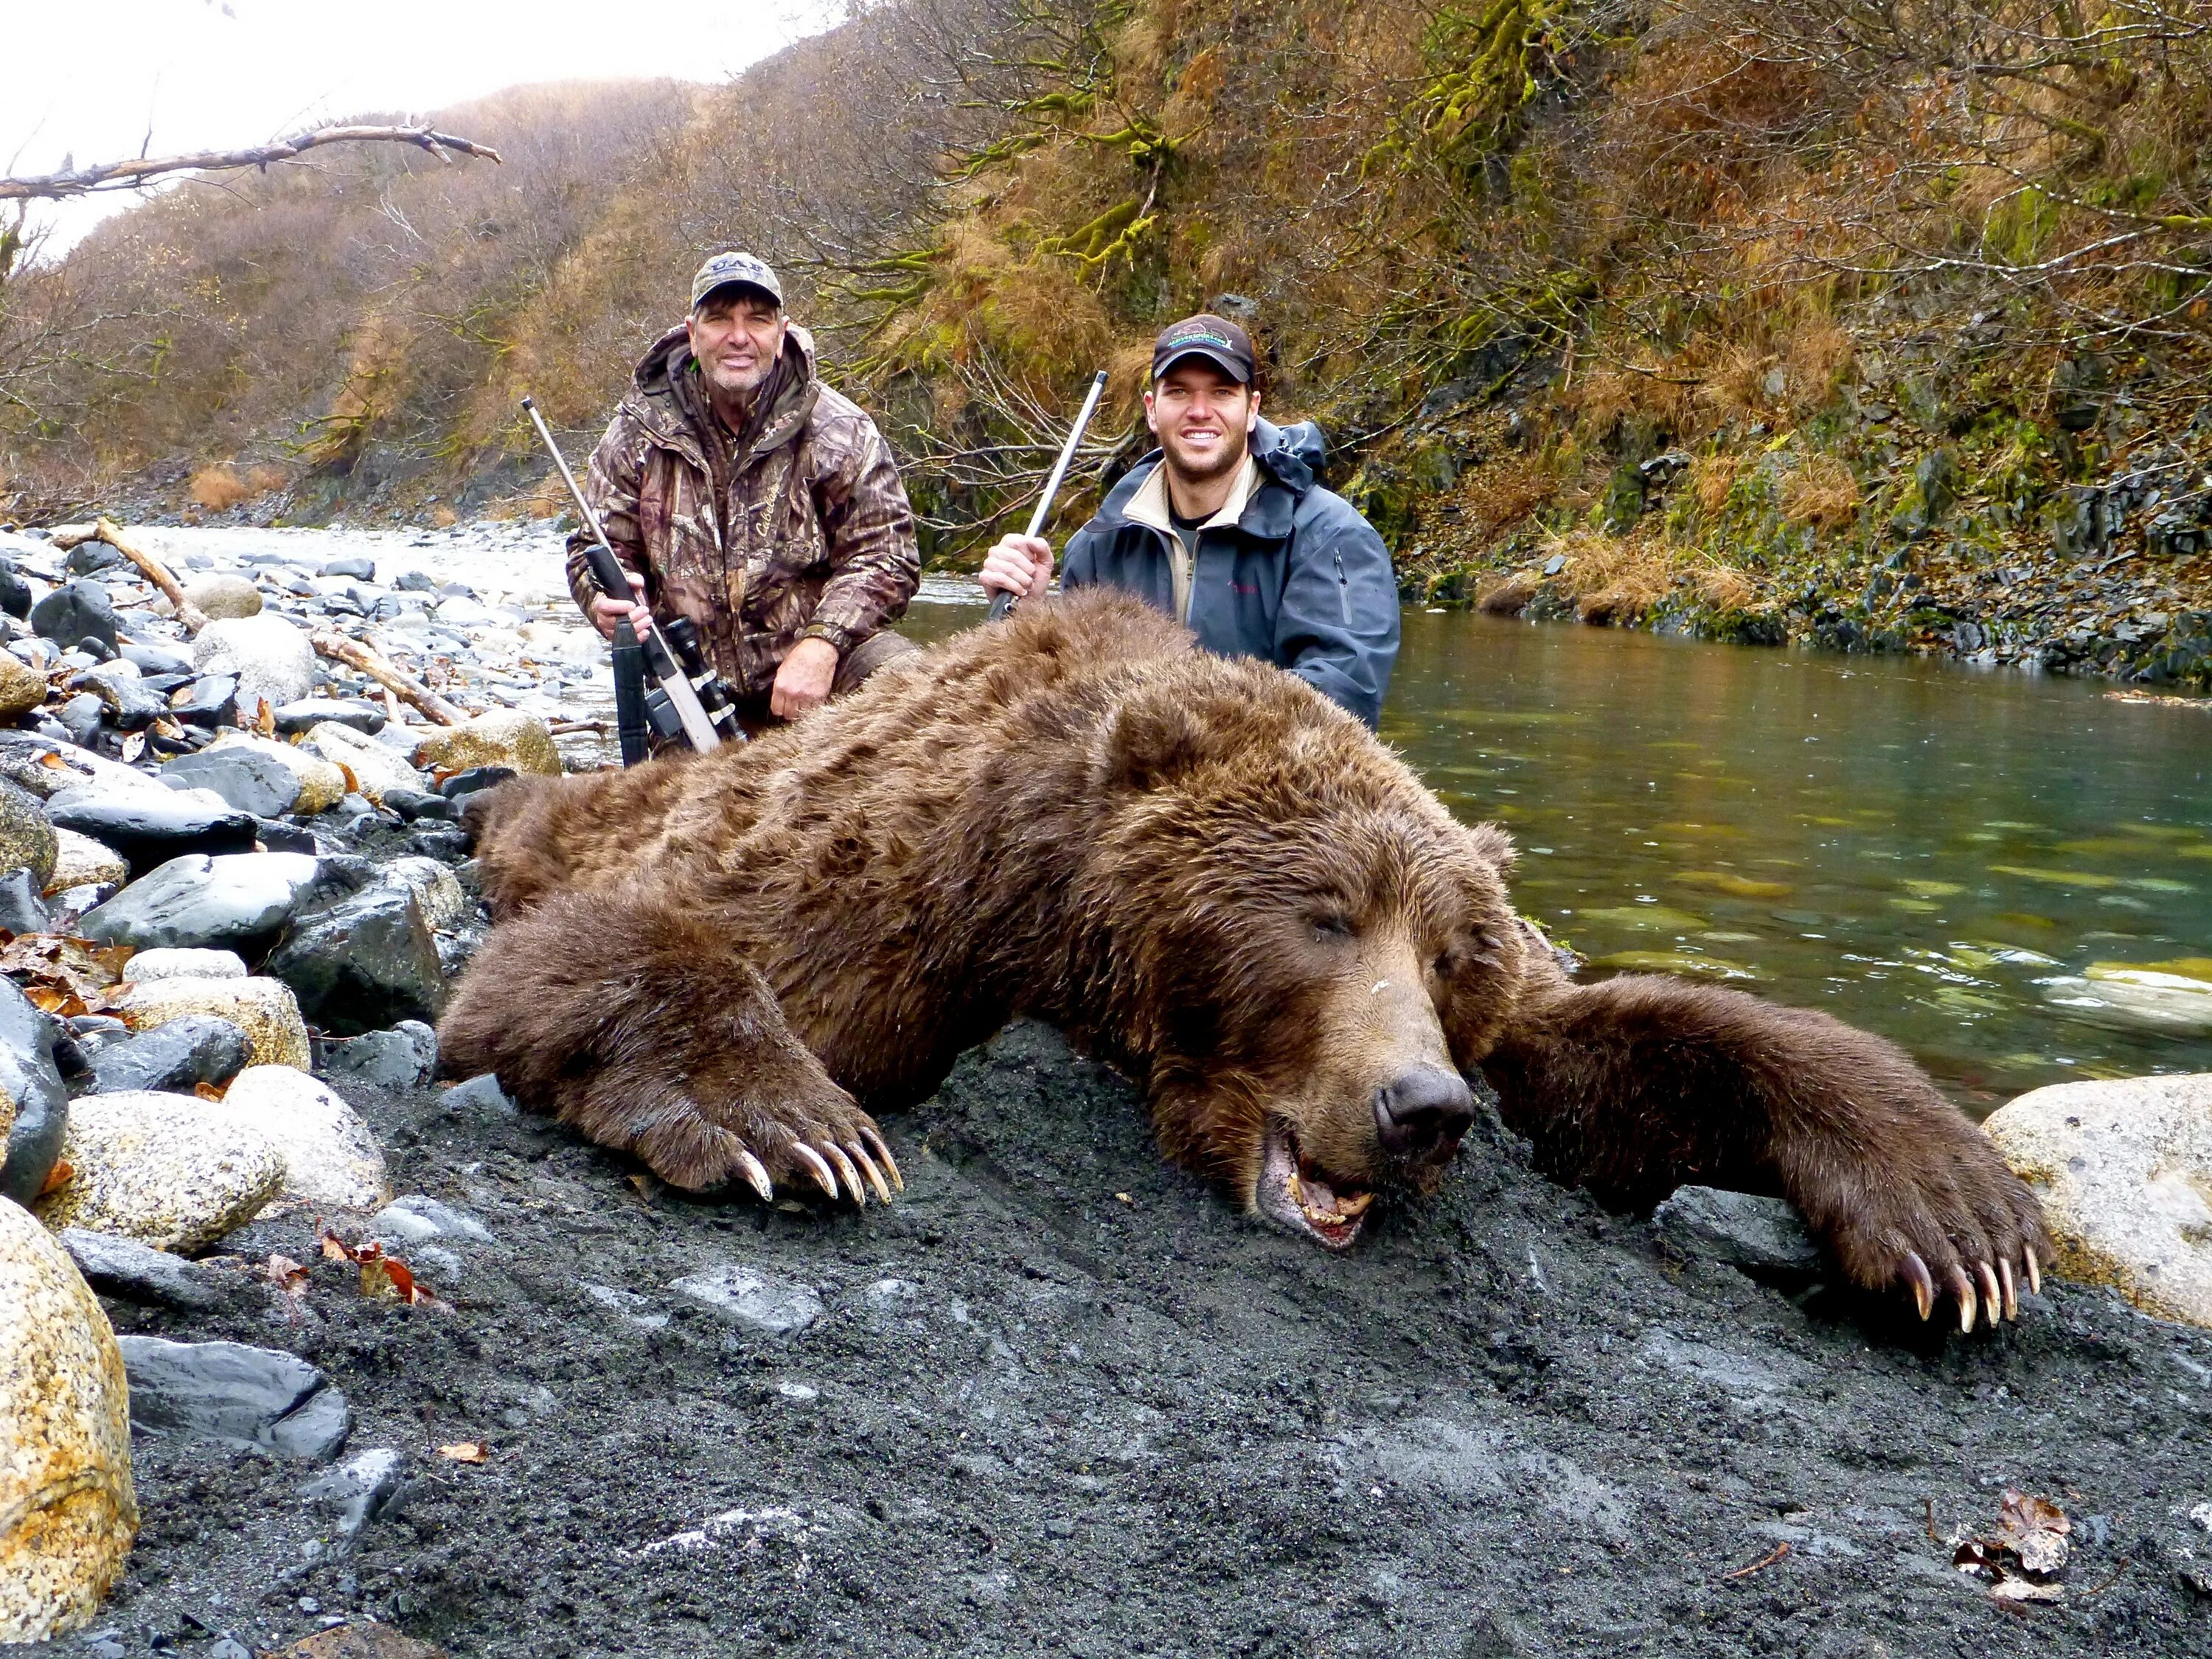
x=2010, y=876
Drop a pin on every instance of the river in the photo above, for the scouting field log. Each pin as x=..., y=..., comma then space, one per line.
x=2009, y=874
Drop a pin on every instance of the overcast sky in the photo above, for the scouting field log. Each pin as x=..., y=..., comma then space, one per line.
x=86, y=80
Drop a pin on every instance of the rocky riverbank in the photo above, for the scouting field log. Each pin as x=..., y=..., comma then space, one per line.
x=380, y=1367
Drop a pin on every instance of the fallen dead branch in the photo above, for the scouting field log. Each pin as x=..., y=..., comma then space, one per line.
x=393, y=678
x=1764, y=1561
x=130, y=174
x=105, y=529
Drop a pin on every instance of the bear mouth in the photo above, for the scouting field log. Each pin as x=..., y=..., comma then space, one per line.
x=1301, y=1199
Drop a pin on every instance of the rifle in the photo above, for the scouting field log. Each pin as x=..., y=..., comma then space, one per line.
x=688, y=699
x=1003, y=602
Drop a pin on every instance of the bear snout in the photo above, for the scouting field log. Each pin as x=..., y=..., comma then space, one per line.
x=1422, y=1114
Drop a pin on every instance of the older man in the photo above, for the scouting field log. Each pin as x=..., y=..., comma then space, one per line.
x=1226, y=528
x=751, y=498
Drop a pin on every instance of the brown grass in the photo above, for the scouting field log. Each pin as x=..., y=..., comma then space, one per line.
x=218, y=489
x=1822, y=492
x=1615, y=580
x=1725, y=587
x=1509, y=598
x=1711, y=477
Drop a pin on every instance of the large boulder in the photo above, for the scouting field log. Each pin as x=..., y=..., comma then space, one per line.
x=405, y=1057
x=33, y=1102
x=196, y=902
x=151, y=826
x=296, y=718
x=505, y=737
x=129, y=703
x=164, y=963
x=363, y=962
x=378, y=769
x=180, y=1055
x=223, y=596
x=2125, y=1172
x=169, y=1170
x=27, y=835
x=74, y=612
x=265, y=1009
x=22, y=688
x=259, y=775
x=68, y=1512
x=330, y=1158
x=81, y=861
x=271, y=659
x=248, y=1398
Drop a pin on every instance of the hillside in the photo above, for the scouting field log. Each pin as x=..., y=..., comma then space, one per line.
x=1812, y=320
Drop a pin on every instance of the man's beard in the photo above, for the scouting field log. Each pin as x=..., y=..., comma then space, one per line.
x=1227, y=456
x=738, y=387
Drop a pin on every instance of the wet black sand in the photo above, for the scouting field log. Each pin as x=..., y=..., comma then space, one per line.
x=1100, y=1414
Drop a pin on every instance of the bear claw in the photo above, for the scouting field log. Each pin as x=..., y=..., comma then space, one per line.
x=845, y=1169
x=755, y=1174
x=1923, y=1284
x=883, y=1151
x=868, y=1166
x=819, y=1169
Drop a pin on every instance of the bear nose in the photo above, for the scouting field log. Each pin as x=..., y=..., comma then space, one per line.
x=1423, y=1114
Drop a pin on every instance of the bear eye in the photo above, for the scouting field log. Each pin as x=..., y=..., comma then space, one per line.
x=1330, y=926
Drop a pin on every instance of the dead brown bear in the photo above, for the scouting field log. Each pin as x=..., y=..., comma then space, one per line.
x=1204, y=872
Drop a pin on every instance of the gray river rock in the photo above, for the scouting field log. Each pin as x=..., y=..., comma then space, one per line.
x=197, y=901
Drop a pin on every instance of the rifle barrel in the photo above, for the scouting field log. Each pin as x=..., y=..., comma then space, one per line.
x=1002, y=603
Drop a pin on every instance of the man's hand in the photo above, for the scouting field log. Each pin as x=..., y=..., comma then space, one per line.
x=606, y=613
x=1020, y=565
x=805, y=678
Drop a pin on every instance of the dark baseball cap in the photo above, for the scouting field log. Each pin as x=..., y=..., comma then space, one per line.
x=727, y=270
x=1216, y=339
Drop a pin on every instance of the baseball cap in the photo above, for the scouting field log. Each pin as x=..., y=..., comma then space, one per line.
x=724, y=268
x=1216, y=339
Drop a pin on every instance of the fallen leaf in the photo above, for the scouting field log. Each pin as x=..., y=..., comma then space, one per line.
x=287, y=1275
x=132, y=746
x=207, y=1091
x=335, y=1249
x=352, y=783
x=264, y=719
x=2034, y=1529
x=466, y=1451
x=59, y=1176
x=55, y=763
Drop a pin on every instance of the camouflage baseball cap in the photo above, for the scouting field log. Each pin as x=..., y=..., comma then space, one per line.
x=724, y=268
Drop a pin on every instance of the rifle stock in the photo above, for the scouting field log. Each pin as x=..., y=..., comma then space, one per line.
x=688, y=699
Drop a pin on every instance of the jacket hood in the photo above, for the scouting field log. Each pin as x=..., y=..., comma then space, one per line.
x=1295, y=454
x=665, y=391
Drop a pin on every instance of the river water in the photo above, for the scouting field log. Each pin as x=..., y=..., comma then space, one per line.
x=2011, y=875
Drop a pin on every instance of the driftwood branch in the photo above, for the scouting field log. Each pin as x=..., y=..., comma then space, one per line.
x=129, y=175
x=392, y=679
x=106, y=530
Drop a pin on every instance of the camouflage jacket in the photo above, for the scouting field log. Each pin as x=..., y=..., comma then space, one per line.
x=798, y=528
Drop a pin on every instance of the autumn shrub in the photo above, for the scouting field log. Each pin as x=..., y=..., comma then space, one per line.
x=1820, y=490
x=217, y=489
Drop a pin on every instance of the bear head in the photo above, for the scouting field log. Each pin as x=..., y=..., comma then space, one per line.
x=1307, y=951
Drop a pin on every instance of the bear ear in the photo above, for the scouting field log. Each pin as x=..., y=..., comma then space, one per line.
x=1494, y=846
x=1151, y=742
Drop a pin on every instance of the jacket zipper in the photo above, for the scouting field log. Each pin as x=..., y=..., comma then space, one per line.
x=1343, y=594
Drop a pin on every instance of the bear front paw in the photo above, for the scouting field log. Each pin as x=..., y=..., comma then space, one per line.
x=830, y=1141
x=1942, y=1222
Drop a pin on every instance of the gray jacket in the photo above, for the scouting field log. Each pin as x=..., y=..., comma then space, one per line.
x=1299, y=579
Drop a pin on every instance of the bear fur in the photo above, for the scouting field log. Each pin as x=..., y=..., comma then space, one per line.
x=1205, y=873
